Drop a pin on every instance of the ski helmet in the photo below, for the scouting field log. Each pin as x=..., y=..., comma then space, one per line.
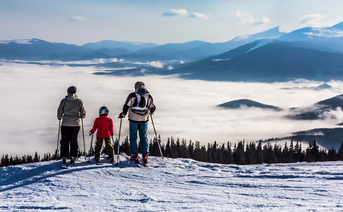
x=103, y=111
x=139, y=85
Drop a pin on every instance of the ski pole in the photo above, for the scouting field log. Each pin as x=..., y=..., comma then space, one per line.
x=91, y=148
x=84, y=142
x=58, y=138
x=159, y=146
x=121, y=119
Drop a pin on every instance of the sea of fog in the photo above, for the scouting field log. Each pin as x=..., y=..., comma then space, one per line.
x=31, y=93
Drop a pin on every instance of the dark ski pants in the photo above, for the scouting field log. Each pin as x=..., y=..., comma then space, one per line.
x=142, y=129
x=109, y=147
x=69, y=140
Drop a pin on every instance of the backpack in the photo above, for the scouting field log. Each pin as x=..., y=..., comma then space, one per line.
x=140, y=106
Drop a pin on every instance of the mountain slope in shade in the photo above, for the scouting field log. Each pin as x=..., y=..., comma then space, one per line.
x=172, y=185
x=110, y=44
x=325, y=137
x=319, y=110
x=275, y=61
x=210, y=49
x=236, y=104
x=174, y=50
x=35, y=49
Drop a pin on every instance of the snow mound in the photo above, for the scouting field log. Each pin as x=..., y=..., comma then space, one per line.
x=172, y=185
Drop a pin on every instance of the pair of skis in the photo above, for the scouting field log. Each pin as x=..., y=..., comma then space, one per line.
x=140, y=163
x=68, y=165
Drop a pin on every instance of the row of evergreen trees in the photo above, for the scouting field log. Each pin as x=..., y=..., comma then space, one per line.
x=246, y=153
x=241, y=153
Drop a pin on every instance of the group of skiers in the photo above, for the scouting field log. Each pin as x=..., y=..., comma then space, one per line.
x=138, y=105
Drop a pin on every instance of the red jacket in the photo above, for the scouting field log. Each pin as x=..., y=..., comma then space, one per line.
x=104, y=127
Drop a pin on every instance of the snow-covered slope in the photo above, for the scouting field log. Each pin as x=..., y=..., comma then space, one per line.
x=272, y=33
x=172, y=185
x=329, y=37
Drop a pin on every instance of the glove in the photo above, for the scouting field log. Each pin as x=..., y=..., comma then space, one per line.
x=90, y=133
x=152, y=110
x=121, y=115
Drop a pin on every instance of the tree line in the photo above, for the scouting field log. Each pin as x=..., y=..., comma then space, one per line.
x=240, y=153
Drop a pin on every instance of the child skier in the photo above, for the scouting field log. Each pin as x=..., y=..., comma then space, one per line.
x=104, y=126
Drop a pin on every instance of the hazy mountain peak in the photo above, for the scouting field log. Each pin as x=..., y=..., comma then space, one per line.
x=111, y=44
x=270, y=33
x=19, y=41
x=338, y=26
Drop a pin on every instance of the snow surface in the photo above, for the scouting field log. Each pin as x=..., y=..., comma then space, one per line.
x=172, y=185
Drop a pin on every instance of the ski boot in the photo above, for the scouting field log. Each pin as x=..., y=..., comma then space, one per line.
x=111, y=159
x=145, y=158
x=64, y=163
x=97, y=160
x=134, y=158
x=73, y=160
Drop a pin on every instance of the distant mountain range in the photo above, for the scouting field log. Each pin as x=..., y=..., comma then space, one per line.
x=267, y=61
x=110, y=44
x=269, y=56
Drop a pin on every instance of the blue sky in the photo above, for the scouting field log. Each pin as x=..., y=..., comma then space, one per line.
x=158, y=21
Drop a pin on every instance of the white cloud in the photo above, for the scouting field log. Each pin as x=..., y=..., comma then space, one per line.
x=156, y=64
x=198, y=15
x=175, y=12
x=313, y=20
x=76, y=18
x=245, y=18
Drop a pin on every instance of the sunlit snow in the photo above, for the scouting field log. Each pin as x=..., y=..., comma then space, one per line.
x=172, y=185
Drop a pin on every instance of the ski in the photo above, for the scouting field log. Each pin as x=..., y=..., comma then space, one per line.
x=140, y=165
x=69, y=165
x=106, y=156
x=142, y=162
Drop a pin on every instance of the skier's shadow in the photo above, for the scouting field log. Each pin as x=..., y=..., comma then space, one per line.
x=17, y=176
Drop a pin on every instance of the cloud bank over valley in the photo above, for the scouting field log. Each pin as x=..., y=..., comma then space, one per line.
x=187, y=109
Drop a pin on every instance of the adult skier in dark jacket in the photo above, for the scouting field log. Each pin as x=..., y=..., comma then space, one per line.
x=139, y=105
x=70, y=110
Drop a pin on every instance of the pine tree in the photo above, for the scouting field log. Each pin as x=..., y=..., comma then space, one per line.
x=340, y=152
x=36, y=157
x=190, y=148
x=168, y=149
x=197, y=151
x=125, y=146
x=259, y=155
x=332, y=155
x=238, y=155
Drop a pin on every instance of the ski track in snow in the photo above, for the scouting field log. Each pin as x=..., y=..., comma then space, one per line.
x=172, y=185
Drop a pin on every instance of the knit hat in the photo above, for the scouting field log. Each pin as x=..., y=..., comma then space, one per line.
x=139, y=85
x=71, y=89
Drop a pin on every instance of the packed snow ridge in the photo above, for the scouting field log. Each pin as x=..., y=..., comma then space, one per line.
x=172, y=185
